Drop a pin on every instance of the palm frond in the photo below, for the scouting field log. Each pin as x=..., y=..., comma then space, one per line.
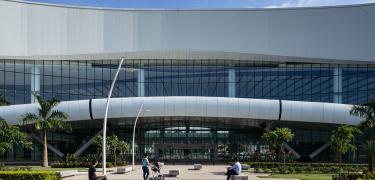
x=48, y=107
x=53, y=102
x=3, y=123
x=59, y=124
x=30, y=118
x=58, y=115
x=43, y=109
x=362, y=111
x=4, y=102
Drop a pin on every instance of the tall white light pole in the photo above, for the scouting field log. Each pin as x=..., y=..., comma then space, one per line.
x=135, y=124
x=104, y=163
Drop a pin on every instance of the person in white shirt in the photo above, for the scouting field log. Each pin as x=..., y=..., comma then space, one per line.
x=235, y=169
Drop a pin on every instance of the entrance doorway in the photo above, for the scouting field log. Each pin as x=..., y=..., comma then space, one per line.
x=186, y=152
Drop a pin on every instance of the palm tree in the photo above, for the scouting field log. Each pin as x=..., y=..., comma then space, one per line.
x=48, y=118
x=367, y=111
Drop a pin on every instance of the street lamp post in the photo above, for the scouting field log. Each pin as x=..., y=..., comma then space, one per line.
x=104, y=162
x=135, y=124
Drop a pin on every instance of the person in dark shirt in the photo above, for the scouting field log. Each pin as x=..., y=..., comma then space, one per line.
x=92, y=171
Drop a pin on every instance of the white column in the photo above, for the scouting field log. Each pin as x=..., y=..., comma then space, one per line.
x=337, y=85
x=35, y=81
x=141, y=83
x=231, y=83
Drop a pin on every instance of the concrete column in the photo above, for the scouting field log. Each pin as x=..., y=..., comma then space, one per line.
x=35, y=81
x=337, y=85
x=85, y=145
x=319, y=150
x=141, y=83
x=231, y=83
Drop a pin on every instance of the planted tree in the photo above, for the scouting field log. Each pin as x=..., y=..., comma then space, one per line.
x=10, y=135
x=276, y=138
x=367, y=112
x=115, y=147
x=48, y=118
x=342, y=140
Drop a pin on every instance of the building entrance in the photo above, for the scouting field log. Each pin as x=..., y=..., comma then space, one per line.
x=186, y=152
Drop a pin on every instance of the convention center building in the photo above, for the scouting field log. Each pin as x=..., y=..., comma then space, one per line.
x=205, y=83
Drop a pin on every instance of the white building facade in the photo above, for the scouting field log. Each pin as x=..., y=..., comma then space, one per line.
x=211, y=80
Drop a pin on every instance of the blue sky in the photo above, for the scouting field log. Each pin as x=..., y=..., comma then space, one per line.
x=188, y=4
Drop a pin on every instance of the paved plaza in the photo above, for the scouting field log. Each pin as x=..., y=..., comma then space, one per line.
x=206, y=173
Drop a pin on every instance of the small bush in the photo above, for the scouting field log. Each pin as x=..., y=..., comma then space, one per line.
x=28, y=175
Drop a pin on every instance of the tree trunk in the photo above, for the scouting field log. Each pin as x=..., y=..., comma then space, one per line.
x=371, y=163
x=114, y=152
x=45, y=150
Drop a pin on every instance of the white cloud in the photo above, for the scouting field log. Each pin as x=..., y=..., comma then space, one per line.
x=310, y=3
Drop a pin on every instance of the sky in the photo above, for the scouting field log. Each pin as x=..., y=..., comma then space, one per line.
x=191, y=4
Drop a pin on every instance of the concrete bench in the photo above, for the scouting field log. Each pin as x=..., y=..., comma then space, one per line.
x=123, y=170
x=67, y=173
x=170, y=178
x=239, y=177
x=197, y=166
x=245, y=166
x=173, y=173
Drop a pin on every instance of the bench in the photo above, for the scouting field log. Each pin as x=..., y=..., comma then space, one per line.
x=123, y=170
x=197, y=166
x=239, y=177
x=67, y=173
x=170, y=178
x=174, y=173
x=245, y=167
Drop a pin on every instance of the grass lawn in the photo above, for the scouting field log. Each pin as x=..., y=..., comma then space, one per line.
x=301, y=176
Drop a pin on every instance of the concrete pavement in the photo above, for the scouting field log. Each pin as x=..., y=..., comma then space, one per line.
x=208, y=172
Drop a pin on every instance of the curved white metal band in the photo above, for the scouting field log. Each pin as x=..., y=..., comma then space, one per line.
x=264, y=109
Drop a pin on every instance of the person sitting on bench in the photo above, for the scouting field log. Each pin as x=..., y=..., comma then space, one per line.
x=92, y=171
x=235, y=169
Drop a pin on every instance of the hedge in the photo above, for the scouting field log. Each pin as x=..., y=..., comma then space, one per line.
x=353, y=176
x=28, y=175
x=83, y=164
x=277, y=167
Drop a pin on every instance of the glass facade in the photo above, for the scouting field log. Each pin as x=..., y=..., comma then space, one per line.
x=75, y=80
x=213, y=139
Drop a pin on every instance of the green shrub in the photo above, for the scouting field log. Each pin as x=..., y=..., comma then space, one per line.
x=257, y=170
x=28, y=175
x=298, y=170
x=275, y=170
x=267, y=170
x=310, y=167
x=350, y=176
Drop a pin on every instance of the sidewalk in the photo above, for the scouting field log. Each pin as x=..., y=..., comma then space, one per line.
x=208, y=172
